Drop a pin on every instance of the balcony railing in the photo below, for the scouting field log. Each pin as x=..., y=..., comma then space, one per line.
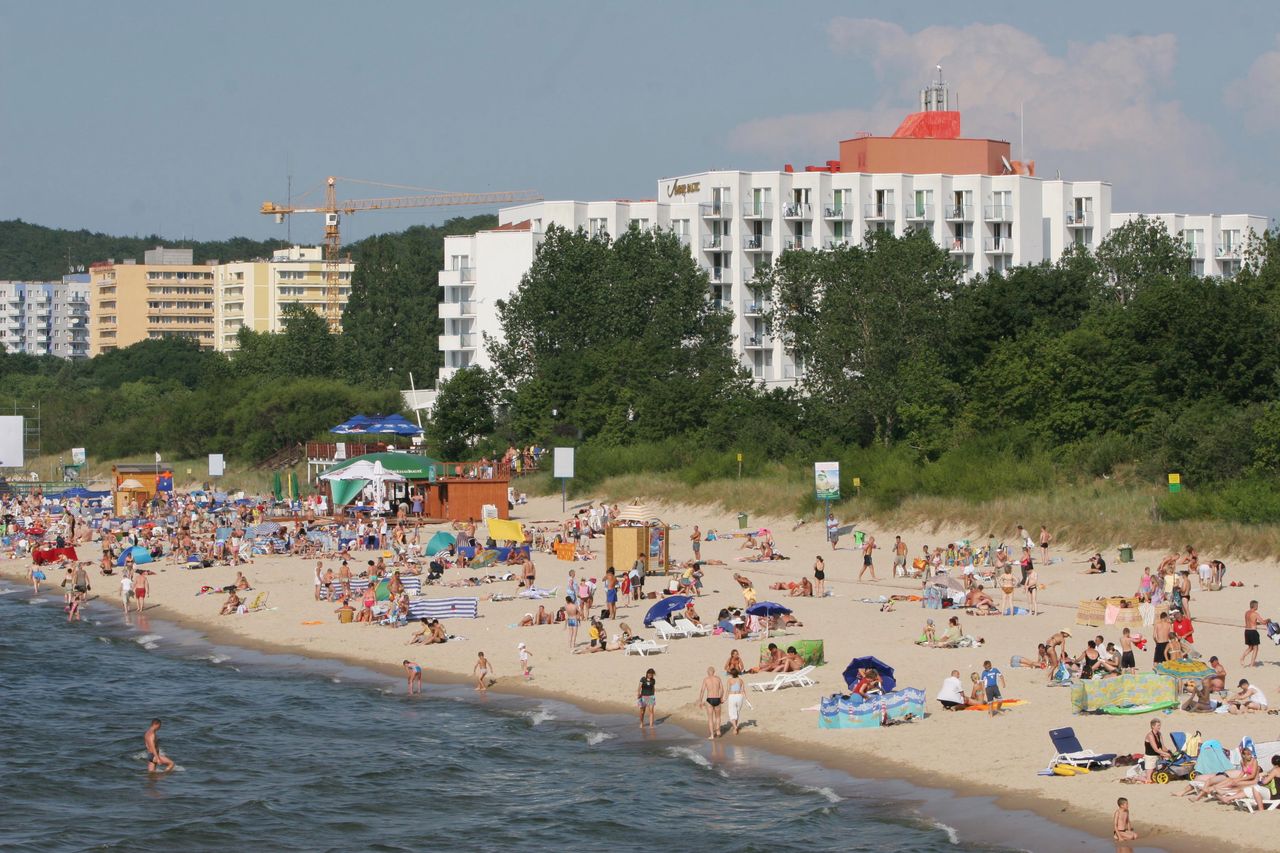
x=999, y=212
x=839, y=242
x=961, y=245
x=1227, y=250
x=959, y=212
x=1195, y=249
x=797, y=210
x=757, y=210
x=718, y=273
x=756, y=309
x=838, y=211
x=759, y=342
x=999, y=246
x=716, y=209
x=799, y=242
x=715, y=243
x=877, y=210
x=919, y=213
x=1079, y=218
x=722, y=304
x=754, y=243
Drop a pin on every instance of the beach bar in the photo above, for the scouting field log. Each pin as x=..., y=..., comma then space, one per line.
x=135, y=484
x=451, y=491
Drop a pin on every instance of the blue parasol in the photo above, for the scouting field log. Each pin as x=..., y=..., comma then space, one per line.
x=664, y=608
x=851, y=675
x=767, y=608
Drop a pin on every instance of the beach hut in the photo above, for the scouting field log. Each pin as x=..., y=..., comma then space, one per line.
x=138, y=483
x=637, y=535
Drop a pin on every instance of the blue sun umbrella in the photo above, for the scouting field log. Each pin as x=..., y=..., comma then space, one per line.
x=665, y=607
x=852, y=672
x=767, y=608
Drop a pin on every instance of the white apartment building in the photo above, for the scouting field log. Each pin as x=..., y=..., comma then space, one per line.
x=254, y=293
x=994, y=216
x=46, y=317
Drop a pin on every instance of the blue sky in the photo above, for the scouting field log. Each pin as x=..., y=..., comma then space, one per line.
x=181, y=118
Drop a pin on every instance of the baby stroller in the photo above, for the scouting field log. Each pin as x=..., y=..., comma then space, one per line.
x=1180, y=765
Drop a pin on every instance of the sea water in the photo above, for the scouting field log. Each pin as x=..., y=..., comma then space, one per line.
x=281, y=752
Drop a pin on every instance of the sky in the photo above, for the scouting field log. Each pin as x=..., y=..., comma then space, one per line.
x=181, y=118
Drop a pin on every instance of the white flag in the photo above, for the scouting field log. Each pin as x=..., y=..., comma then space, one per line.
x=157, y=456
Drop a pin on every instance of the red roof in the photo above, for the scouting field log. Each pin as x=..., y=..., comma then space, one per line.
x=526, y=225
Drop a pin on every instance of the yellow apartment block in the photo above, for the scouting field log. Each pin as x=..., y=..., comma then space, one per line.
x=253, y=294
x=168, y=296
x=165, y=296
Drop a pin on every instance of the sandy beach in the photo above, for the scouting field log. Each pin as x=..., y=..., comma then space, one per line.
x=968, y=752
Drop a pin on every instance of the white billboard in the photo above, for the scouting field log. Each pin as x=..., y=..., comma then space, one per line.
x=11, y=441
x=562, y=465
x=216, y=466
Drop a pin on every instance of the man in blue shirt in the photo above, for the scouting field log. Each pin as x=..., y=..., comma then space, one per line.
x=993, y=679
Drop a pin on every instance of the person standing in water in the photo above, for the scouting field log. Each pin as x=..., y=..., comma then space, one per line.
x=645, y=698
x=737, y=695
x=157, y=760
x=712, y=693
x=413, y=674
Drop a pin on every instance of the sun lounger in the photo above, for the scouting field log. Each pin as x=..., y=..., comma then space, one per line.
x=644, y=647
x=1245, y=800
x=691, y=629
x=535, y=592
x=667, y=631
x=259, y=602
x=799, y=678
x=1069, y=750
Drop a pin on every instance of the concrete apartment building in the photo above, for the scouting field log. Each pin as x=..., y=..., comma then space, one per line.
x=169, y=296
x=165, y=296
x=254, y=294
x=46, y=317
x=989, y=212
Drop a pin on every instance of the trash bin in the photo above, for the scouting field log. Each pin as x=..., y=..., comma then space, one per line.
x=1126, y=554
x=742, y=521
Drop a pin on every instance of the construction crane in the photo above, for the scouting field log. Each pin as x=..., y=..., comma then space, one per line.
x=333, y=211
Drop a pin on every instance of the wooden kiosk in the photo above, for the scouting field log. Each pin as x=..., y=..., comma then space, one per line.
x=136, y=484
x=637, y=534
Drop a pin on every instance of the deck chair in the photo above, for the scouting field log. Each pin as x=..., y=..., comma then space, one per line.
x=1245, y=800
x=667, y=631
x=259, y=602
x=799, y=678
x=644, y=647
x=691, y=629
x=1069, y=751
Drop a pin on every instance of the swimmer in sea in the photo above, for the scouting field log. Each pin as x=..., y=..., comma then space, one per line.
x=158, y=759
x=413, y=674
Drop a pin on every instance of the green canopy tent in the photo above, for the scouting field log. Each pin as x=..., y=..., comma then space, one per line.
x=402, y=465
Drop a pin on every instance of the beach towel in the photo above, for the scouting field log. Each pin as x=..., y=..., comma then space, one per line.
x=1148, y=612
x=1112, y=613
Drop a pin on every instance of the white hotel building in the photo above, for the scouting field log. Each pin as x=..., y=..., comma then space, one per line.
x=990, y=213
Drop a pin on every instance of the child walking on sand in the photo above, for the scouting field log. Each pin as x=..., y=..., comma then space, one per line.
x=525, y=669
x=483, y=672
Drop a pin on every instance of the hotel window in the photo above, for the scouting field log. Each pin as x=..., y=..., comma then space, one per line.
x=598, y=226
x=680, y=227
x=642, y=224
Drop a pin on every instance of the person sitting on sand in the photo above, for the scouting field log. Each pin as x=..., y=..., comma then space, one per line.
x=977, y=690
x=242, y=582
x=420, y=636
x=792, y=661
x=1247, y=699
x=979, y=602
x=777, y=661
x=526, y=621
x=1199, y=700
x=749, y=544
x=734, y=662
x=929, y=636
x=1219, y=681
x=951, y=636
x=951, y=695
x=231, y=605
x=346, y=613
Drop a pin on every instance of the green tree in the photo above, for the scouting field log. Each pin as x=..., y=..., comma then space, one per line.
x=858, y=316
x=1137, y=254
x=615, y=339
x=463, y=413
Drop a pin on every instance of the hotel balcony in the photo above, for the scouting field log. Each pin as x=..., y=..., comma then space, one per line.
x=456, y=310
x=453, y=278
x=840, y=242
x=722, y=303
x=999, y=246
x=1195, y=250
x=797, y=210
x=457, y=342
x=919, y=213
x=758, y=342
x=757, y=210
x=873, y=211
x=1227, y=250
x=753, y=243
x=1079, y=218
x=961, y=245
x=756, y=308
x=719, y=274
x=838, y=211
x=798, y=243
x=959, y=213
x=716, y=243
x=999, y=212
x=716, y=210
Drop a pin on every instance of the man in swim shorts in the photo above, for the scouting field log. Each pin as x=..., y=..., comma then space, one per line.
x=1252, y=640
x=712, y=693
x=157, y=760
x=571, y=615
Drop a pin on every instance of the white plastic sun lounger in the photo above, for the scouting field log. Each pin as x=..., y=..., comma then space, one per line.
x=799, y=678
x=691, y=629
x=667, y=631
x=644, y=647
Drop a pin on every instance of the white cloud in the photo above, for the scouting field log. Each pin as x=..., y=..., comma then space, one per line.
x=1097, y=110
x=1256, y=95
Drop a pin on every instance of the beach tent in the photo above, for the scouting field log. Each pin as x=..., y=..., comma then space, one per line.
x=140, y=555
x=836, y=712
x=665, y=607
x=440, y=542
x=887, y=681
